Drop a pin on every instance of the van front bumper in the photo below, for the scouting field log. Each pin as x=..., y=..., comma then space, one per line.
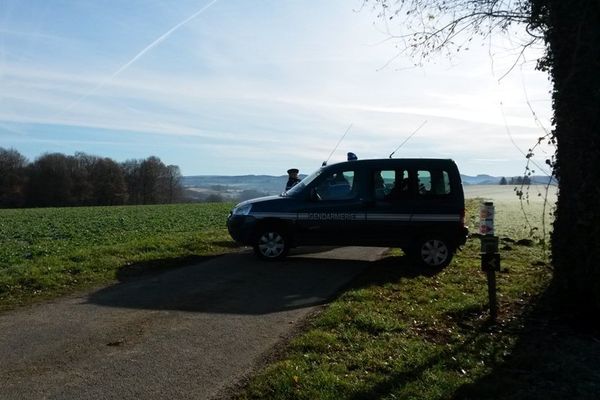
x=241, y=228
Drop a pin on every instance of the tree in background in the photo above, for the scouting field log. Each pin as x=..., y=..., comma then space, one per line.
x=570, y=32
x=82, y=190
x=108, y=182
x=173, y=183
x=133, y=180
x=152, y=174
x=503, y=181
x=50, y=182
x=150, y=181
x=12, y=178
x=520, y=181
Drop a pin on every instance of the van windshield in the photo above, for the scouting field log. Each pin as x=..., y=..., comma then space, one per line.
x=299, y=187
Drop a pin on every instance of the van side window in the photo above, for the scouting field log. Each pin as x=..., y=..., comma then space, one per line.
x=390, y=185
x=337, y=186
x=424, y=182
x=433, y=182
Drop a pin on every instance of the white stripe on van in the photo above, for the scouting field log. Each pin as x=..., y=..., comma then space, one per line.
x=436, y=217
x=388, y=217
x=358, y=216
x=282, y=215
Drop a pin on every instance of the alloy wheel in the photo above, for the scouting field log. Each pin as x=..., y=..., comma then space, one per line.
x=434, y=252
x=271, y=244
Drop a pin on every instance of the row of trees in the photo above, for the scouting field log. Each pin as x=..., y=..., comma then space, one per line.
x=55, y=179
x=519, y=180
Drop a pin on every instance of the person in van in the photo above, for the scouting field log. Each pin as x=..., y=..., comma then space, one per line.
x=335, y=187
x=400, y=188
x=379, y=185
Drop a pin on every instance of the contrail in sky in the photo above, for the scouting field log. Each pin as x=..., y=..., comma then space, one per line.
x=152, y=45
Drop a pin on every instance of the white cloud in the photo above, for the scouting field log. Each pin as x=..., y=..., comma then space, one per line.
x=288, y=79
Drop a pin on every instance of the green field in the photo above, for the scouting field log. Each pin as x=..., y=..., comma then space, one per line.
x=401, y=332
x=49, y=251
x=527, y=219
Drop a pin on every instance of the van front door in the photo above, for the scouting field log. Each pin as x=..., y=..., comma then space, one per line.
x=335, y=213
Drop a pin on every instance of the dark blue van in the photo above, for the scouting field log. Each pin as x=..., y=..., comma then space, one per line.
x=415, y=204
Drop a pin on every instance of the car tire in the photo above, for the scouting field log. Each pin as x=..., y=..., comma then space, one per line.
x=272, y=243
x=434, y=252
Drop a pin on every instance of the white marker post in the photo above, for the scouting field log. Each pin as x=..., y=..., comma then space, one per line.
x=490, y=258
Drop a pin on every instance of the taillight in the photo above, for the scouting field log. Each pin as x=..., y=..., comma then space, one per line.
x=462, y=217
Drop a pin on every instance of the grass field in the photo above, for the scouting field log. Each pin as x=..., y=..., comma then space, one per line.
x=47, y=252
x=401, y=332
x=516, y=219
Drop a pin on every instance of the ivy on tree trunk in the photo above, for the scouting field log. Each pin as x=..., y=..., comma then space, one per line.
x=572, y=34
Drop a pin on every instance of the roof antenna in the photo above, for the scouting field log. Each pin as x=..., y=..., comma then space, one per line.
x=406, y=140
x=336, y=146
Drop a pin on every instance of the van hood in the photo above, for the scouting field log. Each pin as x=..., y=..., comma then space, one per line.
x=259, y=200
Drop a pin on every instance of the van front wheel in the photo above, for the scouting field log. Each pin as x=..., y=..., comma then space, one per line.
x=434, y=253
x=271, y=244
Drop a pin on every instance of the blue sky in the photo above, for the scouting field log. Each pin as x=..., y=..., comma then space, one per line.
x=254, y=87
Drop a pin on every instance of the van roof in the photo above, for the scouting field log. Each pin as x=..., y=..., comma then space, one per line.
x=394, y=161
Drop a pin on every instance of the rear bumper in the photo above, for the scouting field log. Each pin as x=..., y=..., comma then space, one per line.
x=464, y=234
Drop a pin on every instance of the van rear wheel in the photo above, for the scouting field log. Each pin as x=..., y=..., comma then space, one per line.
x=271, y=244
x=434, y=252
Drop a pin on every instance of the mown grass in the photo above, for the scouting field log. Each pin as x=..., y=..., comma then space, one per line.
x=404, y=333
x=48, y=252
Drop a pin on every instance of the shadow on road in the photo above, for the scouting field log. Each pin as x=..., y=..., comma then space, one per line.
x=241, y=284
x=154, y=267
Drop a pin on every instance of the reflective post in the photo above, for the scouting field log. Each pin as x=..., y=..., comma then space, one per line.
x=490, y=258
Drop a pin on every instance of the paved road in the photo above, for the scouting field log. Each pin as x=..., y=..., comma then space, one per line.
x=189, y=333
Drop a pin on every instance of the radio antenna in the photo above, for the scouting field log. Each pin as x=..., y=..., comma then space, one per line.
x=338, y=143
x=408, y=138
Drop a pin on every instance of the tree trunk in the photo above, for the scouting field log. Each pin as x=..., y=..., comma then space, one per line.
x=573, y=36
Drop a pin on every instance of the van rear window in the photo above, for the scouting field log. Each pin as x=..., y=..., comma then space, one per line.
x=433, y=182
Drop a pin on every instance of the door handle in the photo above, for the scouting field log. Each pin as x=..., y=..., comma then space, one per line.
x=367, y=202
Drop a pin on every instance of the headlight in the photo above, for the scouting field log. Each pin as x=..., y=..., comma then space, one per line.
x=242, y=210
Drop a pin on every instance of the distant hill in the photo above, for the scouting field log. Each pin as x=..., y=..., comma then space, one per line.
x=241, y=187
x=495, y=180
x=263, y=183
x=480, y=180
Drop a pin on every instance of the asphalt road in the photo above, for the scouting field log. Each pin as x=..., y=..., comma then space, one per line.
x=189, y=333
